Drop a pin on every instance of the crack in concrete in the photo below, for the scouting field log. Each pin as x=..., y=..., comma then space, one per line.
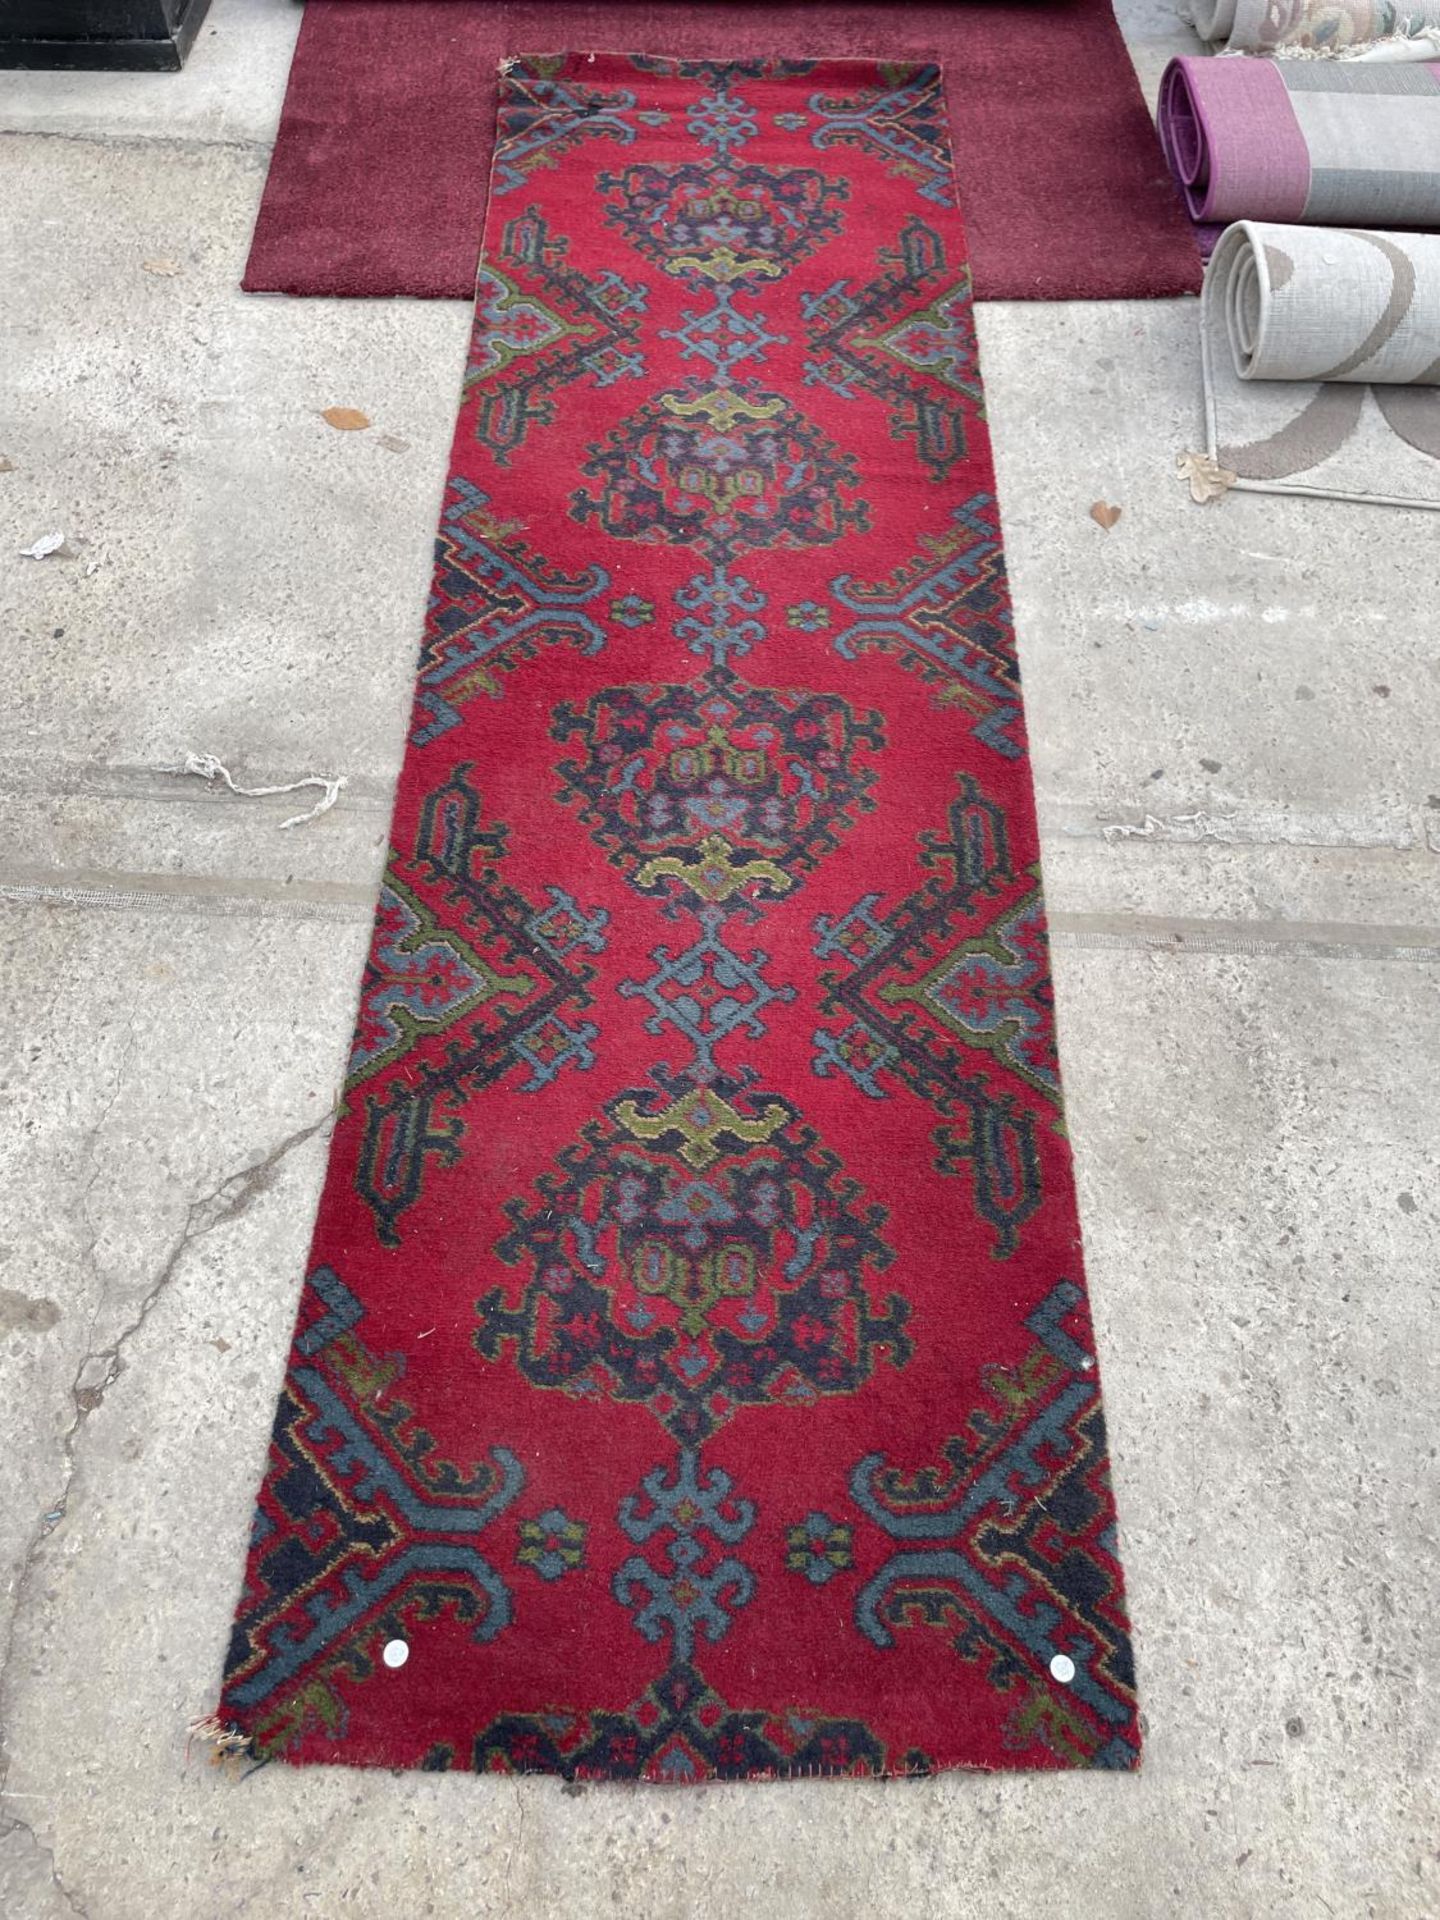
x=11, y=1823
x=172, y=142
x=227, y=1201
x=1307, y=939
x=234, y=1195
x=190, y=893
x=93, y=1137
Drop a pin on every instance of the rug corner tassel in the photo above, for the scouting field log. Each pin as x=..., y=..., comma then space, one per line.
x=226, y=1742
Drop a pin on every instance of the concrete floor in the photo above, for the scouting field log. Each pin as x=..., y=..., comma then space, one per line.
x=1250, y=1028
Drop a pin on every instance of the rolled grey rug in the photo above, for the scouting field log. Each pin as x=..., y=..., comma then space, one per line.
x=1328, y=303
x=1321, y=355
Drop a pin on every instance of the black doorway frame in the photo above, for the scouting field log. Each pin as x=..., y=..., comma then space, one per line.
x=138, y=35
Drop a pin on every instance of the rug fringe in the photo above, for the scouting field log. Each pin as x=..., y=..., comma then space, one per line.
x=225, y=1742
x=1422, y=44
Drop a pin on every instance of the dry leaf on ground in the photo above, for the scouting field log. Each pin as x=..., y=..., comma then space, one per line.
x=346, y=419
x=164, y=269
x=1208, y=479
x=1104, y=515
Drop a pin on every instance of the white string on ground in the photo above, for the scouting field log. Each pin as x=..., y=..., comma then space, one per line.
x=206, y=767
x=1182, y=826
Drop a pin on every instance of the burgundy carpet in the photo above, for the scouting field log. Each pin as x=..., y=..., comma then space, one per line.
x=378, y=182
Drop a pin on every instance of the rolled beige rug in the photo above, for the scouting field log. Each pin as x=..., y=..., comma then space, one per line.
x=1321, y=356
x=1311, y=26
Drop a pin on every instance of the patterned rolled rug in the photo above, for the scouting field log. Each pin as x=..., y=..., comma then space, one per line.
x=1312, y=26
x=694, y=1375
x=1321, y=352
x=1316, y=141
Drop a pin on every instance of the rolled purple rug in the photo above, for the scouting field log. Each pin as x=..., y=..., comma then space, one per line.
x=1318, y=142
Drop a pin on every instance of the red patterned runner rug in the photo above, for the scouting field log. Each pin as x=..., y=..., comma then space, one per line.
x=694, y=1374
